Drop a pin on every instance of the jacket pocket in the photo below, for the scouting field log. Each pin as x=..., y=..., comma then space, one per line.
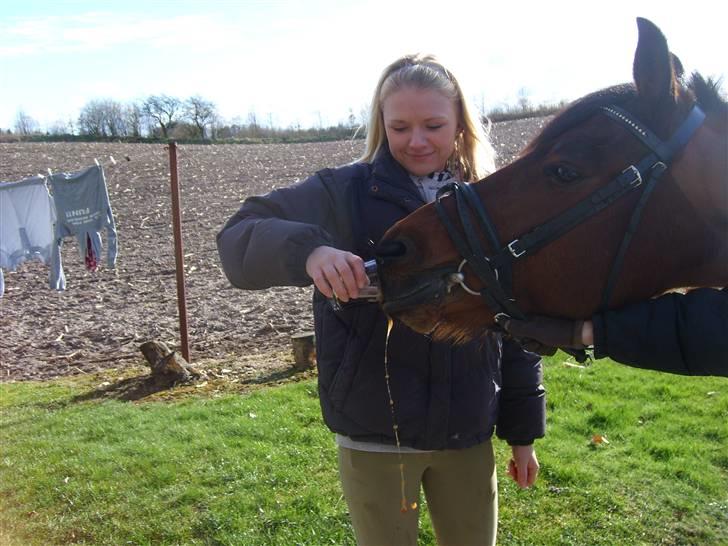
x=350, y=358
x=343, y=340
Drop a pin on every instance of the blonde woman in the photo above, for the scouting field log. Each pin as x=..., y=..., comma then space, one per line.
x=473, y=156
x=448, y=399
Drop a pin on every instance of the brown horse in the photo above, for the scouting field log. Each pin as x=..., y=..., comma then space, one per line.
x=573, y=225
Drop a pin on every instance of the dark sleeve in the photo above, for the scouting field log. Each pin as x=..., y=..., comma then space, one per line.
x=522, y=412
x=683, y=334
x=267, y=241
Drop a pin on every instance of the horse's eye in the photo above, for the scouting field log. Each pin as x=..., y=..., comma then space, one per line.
x=562, y=173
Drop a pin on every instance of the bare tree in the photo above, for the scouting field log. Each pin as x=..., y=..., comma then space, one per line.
x=71, y=124
x=524, y=102
x=116, y=118
x=215, y=125
x=134, y=119
x=253, y=125
x=163, y=109
x=24, y=124
x=104, y=118
x=91, y=119
x=364, y=113
x=60, y=127
x=200, y=112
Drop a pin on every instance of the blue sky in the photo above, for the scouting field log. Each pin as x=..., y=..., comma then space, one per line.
x=308, y=62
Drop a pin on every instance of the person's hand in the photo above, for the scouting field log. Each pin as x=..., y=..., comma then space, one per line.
x=543, y=335
x=335, y=271
x=523, y=466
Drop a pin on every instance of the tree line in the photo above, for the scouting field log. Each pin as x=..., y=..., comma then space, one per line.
x=168, y=117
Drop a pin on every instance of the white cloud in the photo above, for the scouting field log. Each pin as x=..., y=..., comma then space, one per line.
x=95, y=31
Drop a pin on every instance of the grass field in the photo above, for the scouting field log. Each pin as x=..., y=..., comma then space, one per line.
x=258, y=468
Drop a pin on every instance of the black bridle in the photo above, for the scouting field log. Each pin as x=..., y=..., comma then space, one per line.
x=495, y=271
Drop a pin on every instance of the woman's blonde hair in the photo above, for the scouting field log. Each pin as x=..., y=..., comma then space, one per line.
x=474, y=156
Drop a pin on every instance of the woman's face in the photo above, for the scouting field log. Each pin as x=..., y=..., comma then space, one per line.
x=421, y=125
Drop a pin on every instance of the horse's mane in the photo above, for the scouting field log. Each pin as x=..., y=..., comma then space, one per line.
x=705, y=92
x=581, y=109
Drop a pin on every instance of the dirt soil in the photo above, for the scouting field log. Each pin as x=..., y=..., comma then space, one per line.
x=100, y=320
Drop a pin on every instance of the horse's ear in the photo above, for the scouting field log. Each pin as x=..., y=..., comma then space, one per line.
x=653, y=69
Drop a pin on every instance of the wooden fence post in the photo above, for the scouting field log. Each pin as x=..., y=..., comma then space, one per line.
x=178, y=252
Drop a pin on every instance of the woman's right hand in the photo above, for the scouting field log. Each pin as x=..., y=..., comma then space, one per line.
x=335, y=271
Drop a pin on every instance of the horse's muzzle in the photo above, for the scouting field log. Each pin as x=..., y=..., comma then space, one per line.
x=403, y=292
x=426, y=288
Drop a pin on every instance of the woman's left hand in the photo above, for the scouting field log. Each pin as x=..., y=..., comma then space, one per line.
x=523, y=466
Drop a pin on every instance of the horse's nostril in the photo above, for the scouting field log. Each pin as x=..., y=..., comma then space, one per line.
x=391, y=249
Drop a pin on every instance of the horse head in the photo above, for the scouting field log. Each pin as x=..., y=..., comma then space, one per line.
x=623, y=196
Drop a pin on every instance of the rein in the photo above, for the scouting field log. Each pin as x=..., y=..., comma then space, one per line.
x=495, y=272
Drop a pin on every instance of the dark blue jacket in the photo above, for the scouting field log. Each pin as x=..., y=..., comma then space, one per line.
x=684, y=334
x=445, y=396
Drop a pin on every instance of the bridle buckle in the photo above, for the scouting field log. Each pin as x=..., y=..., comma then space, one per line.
x=515, y=252
x=637, y=180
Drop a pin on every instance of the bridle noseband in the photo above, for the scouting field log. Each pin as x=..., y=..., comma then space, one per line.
x=495, y=271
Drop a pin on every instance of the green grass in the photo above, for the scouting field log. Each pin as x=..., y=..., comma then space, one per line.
x=260, y=468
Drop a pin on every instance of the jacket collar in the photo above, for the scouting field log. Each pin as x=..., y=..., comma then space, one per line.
x=387, y=169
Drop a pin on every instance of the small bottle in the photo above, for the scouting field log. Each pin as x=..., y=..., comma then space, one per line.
x=368, y=293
